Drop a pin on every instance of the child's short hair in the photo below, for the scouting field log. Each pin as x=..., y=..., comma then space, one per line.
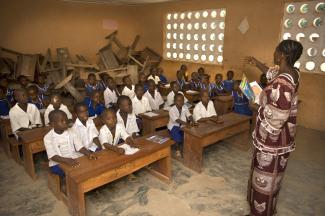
x=230, y=71
x=124, y=78
x=151, y=81
x=77, y=106
x=138, y=85
x=107, y=110
x=91, y=75
x=122, y=98
x=178, y=95
x=54, y=115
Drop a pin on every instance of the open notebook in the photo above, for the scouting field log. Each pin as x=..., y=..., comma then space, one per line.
x=128, y=149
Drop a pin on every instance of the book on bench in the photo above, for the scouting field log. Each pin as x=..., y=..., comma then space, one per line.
x=158, y=139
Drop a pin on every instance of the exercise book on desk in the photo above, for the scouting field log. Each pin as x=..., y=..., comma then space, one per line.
x=158, y=139
x=128, y=149
x=150, y=114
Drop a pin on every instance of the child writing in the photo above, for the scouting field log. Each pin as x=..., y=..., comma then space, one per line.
x=56, y=104
x=126, y=116
x=128, y=89
x=95, y=107
x=110, y=93
x=179, y=115
x=204, y=110
x=23, y=115
x=240, y=101
x=91, y=84
x=85, y=128
x=229, y=82
x=155, y=100
x=170, y=97
x=113, y=133
x=61, y=144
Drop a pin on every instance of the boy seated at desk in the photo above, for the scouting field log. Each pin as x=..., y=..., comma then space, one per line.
x=240, y=101
x=110, y=93
x=140, y=103
x=56, y=104
x=128, y=89
x=179, y=115
x=204, y=110
x=155, y=100
x=23, y=115
x=4, y=104
x=94, y=105
x=205, y=83
x=218, y=88
x=154, y=75
x=113, y=133
x=85, y=128
x=170, y=97
x=62, y=144
x=126, y=116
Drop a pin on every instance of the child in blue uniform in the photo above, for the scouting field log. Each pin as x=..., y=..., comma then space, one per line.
x=180, y=80
x=4, y=104
x=205, y=84
x=95, y=107
x=229, y=82
x=92, y=84
x=163, y=79
x=241, y=103
x=34, y=97
x=6, y=90
x=195, y=81
x=218, y=88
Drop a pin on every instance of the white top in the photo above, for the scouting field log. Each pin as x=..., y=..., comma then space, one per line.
x=201, y=112
x=174, y=115
x=130, y=93
x=62, y=145
x=140, y=106
x=86, y=134
x=154, y=102
x=50, y=108
x=109, y=97
x=105, y=135
x=21, y=119
x=156, y=79
x=131, y=123
x=170, y=98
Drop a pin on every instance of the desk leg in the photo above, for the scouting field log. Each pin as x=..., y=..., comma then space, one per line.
x=5, y=142
x=148, y=126
x=192, y=152
x=28, y=161
x=76, y=198
x=162, y=168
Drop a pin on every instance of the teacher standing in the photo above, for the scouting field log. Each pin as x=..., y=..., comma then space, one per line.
x=274, y=134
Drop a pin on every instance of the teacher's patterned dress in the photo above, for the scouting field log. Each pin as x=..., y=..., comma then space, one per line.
x=273, y=139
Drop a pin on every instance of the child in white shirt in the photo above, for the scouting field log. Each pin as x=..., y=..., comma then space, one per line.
x=110, y=93
x=128, y=89
x=154, y=75
x=23, y=115
x=155, y=100
x=61, y=144
x=56, y=104
x=179, y=115
x=204, y=110
x=112, y=133
x=140, y=104
x=174, y=90
x=85, y=128
x=126, y=116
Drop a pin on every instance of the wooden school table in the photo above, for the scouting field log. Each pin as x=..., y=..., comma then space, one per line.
x=223, y=104
x=110, y=166
x=32, y=142
x=151, y=123
x=5, y=129
x=192, y=96
x=196, y=138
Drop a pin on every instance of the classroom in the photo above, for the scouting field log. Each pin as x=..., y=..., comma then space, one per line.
x=162, y=107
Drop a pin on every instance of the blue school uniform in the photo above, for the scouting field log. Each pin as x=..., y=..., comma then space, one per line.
x=209, y=87
x=91, y=88
x=241, y=104
x=101, y=86
x=163, y=79
x=217, y=89
x=228, y=85
x=4, y=107
x=195, y=85
x=43, y=90
x=38, y=104
x=10, y=95
x=91, y=110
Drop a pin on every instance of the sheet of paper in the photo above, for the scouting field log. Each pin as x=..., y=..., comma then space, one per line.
x=93, y=148
x=128, y=149
x=167, y=85
x=150, y=114
x=192, y=92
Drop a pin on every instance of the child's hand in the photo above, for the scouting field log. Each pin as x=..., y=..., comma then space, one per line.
x=92, y=156
x=121, y=151
x=129, y=141
x=72, y=162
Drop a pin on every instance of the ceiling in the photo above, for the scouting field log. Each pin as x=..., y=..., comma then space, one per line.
x=119, y=2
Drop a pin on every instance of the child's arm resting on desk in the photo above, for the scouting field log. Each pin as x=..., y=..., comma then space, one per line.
x=114, y=148
x=68, y=161
x=89, y=154
x=96, y=141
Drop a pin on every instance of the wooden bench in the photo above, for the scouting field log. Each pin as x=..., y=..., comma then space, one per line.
x=151, y=123
x=223, y=104
x=110, y=166
x=5, y=130
x=196, y=138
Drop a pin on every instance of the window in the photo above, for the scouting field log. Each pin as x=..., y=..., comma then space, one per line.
x=304, y=22
x=195, y=36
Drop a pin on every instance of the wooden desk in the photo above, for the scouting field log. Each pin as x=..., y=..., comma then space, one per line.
x=5, y=129
x=110, y=166
x=196, y=138
x=192, y=96
x=223, y=104
x=32, y=142
x=150, y=124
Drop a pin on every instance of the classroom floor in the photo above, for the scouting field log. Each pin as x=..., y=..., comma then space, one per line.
x=219, y=190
